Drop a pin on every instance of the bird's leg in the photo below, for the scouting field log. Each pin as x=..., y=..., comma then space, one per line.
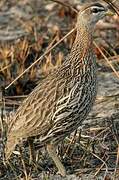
x=52, y=153
x=31, y=150
x=23, y=162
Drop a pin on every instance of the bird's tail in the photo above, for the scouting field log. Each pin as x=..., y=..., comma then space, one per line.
x=10, y=146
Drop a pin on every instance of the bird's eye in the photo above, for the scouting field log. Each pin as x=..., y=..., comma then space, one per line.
x=97, y=10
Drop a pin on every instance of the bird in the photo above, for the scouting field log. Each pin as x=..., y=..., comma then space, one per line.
x=61, y=102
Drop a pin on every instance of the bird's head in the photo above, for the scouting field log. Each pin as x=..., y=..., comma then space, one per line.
x=91, y=13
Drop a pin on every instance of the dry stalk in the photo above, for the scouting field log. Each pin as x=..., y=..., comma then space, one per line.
x=117, y=163
x=66, y=5
x=14, y=97
x=23, y=163
x=100, y=168
x=116, y=73
x=4, y=68
x=104, y=130
x=115, y=134
x=46, y=52
x=112, y=5
x=13, y=170
x=104, y=163
x=73, y=140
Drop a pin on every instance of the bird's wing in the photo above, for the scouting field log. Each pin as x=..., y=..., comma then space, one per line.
x=67, y=108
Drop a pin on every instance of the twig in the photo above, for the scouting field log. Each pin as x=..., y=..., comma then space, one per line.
x=13, y=170
x=104, y=26
x=52, y=42
x=117, y=163
x=90, y=169
x=115, y=134
x=15, y=97
x=4, y=68
x=99, y=134
x=100, y=168
x=69, y=145
x=112, y=6
x=23, y=162
x=114, y=130
x=104, y=163
x=2, y=122
x=67, y=5
x=46, y=52
x=2, y=109
x=106, y=59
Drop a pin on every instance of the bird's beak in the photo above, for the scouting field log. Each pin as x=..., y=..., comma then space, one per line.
x=109, y=13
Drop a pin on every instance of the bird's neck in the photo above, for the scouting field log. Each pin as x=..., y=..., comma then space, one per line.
x=81, y=55
x=82, y=46
x=80, y=58
x=83, y=42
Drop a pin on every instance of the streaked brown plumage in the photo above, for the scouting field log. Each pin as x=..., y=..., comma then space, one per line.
x=59, y=104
